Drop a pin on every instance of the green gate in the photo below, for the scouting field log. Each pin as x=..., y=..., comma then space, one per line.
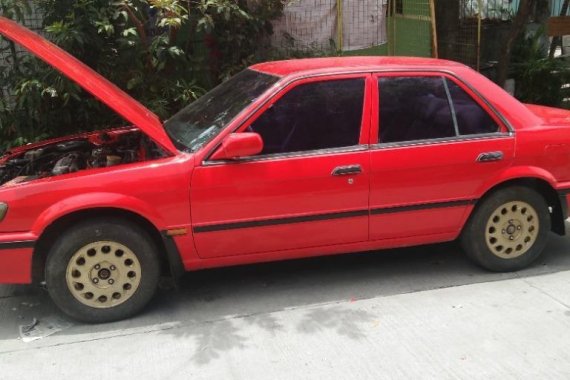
x=411, y=28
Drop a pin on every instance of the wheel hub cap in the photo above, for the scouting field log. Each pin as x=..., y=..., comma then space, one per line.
x=512, y=229
x=103, y=274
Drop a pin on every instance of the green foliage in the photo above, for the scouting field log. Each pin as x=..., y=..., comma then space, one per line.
x=237, y=37
x=165, y=53
x=539, y=79
x=15, y=9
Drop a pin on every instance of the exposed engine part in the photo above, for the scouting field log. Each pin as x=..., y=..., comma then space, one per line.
x=96, y=151
x=98, y=157
x=127, y=155
x=18, y=180
x=32, y=155
x=17, y=162
x=113, y=160
x=73, y=145
x=69, y=164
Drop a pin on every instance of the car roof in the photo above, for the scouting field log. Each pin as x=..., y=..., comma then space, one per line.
x=299, y=67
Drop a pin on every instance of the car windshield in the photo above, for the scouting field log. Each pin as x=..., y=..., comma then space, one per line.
x=201, y=121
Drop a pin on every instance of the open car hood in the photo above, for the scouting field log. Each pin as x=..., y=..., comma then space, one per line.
x=91, y=81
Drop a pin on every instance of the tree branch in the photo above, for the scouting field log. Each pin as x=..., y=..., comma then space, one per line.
x=138, y=25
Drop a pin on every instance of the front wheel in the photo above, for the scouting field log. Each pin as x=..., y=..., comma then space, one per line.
x=508, y=231
x=102, y=271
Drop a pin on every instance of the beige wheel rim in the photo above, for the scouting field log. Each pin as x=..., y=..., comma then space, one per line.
x=103, y=274
x=512, y=229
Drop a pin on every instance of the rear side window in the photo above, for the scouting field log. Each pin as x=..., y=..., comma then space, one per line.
x=313, y=116
x=471, y=118
x=423, y=108
x=414, y=108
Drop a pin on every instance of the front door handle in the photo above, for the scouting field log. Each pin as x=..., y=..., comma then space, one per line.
x=490, y=156
x=347, y=170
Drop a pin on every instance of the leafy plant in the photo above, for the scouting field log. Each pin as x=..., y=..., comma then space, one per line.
x=165, y=53
x=539, y=79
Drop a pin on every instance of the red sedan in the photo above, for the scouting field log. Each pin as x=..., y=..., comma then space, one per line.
x=285, y=160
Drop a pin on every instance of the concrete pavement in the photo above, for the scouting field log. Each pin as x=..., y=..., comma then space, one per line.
x=423, y=312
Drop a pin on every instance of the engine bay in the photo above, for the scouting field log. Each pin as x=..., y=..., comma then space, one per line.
x=96, y=150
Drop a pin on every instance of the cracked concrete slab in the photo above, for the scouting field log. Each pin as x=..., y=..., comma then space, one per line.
x=510, y=330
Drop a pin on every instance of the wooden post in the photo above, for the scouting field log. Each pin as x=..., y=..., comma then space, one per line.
x=479, y=19
x=434, y=46
x=339, y=25
x=392, y=14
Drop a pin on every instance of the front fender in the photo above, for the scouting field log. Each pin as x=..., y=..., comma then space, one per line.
x=96, y=200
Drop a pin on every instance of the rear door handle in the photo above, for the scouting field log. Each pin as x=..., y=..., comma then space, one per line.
x=347, y=170
x=490, y=156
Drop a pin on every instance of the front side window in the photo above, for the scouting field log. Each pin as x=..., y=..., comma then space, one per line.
x=201, y=121
x=424, y=108
x=313, y=116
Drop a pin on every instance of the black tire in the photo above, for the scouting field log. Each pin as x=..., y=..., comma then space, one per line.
x=487, y=218
x=73, y=241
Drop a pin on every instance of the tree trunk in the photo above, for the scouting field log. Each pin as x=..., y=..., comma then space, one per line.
x=447, y=17
x=517, y=27
x=557, y=40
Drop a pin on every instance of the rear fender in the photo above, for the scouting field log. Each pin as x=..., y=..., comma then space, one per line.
x=516, y=172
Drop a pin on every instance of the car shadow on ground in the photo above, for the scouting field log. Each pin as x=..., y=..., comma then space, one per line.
x=211, y=307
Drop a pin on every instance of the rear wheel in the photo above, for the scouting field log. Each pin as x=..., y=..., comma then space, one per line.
x=102, y=271
x=509, y=230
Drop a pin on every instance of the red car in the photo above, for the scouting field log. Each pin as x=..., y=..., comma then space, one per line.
x=285, y=160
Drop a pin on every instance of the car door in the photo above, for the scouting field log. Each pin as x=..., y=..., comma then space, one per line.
x=308, y=188
x=437, y=145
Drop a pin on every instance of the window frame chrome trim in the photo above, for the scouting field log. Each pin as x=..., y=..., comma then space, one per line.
x=500, y=116
x=443, y=140
x=280, y=156
x=451, y=106
x=280, y=88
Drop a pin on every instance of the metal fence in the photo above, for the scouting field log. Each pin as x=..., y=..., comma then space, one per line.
x=399, y=27
x=488, y=9
x=470, y=31
x=33, y=21
x=377, y=27
x=410, y=29
x=331, y=25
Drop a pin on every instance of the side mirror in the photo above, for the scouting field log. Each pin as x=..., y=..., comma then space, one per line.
x=238, y=145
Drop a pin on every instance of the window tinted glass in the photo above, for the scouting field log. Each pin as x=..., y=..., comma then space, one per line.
x=313, y=116
x=414, y=108
x=471, y=118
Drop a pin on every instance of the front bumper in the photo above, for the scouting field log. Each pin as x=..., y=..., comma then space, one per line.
x=16, y=266
x=16, y=251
